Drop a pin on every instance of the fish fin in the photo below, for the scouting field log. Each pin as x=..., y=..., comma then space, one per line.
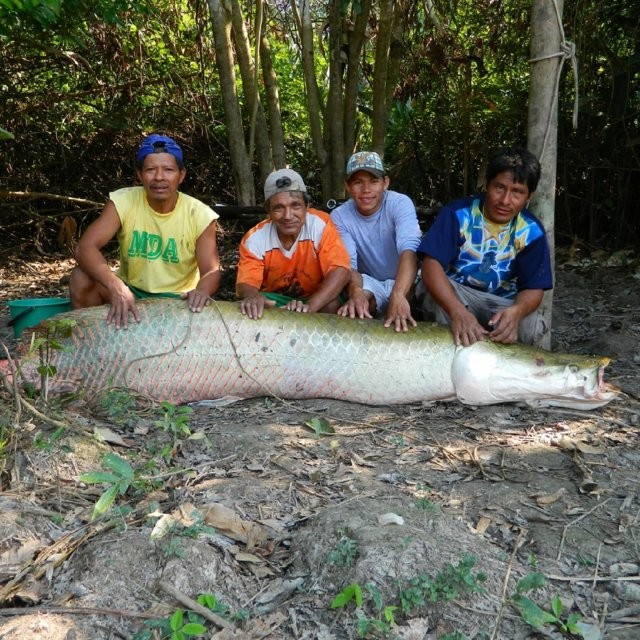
x=217, y=402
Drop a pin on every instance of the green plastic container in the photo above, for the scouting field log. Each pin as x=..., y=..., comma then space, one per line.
x=31, y=311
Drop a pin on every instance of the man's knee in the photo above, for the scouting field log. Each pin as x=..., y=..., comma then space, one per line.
x=84, y=291
x=533, y=329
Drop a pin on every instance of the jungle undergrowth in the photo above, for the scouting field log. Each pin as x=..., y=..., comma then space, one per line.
x=189, y=624
x=376, y=619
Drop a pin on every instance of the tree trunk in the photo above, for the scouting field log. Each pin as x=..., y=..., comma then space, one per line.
x=240, y=164
x=272, y=100
x=546, y=37
x=302, y=15
x=380, y=73
x=355, y=41
x=259, y=130
x=334, y=116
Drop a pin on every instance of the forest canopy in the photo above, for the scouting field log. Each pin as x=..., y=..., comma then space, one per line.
x=248, y=86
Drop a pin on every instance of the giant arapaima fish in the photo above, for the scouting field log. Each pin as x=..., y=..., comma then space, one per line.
x=180, y=356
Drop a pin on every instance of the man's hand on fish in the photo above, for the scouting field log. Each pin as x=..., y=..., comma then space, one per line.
x=196, y=300
x=121, y=303
x=399, y=313
x=297, y=305
x=253, y=306
x=505, y=326
x=357, y=306
x=466, y=329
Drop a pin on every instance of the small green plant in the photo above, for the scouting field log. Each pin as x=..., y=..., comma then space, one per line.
x=119, y=406
x=176, y=628
x=398, y=441
x=197, y=527
x=585, y=561
x=379, y=625
x=382, y=624
x=427, y=504
x=163, y=451
x=541, y=619
x=320, y=426
x=44, y=344
x=345, y=553
x=48, y=443
x=181, y=630
x=119, y=478
x=423, y=501
x=351, y=592
x=175, y=420
x=448, y=584
x=375, y=619
x=173, y=546
x=217, y=606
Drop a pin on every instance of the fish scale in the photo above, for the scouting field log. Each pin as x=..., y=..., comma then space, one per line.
x=179, y=356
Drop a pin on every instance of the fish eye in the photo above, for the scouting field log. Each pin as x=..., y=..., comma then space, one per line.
x=574, y=368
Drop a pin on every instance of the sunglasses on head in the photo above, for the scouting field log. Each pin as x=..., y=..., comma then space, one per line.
x=283, y=182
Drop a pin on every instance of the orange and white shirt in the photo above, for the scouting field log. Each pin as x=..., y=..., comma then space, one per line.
x=296, y=272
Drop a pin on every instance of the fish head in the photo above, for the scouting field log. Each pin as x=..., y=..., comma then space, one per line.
x=488, y=373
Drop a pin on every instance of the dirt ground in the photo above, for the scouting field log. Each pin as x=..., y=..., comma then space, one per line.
x=421, y=519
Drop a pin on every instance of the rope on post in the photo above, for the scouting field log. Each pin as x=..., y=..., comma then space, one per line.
x=567, y=52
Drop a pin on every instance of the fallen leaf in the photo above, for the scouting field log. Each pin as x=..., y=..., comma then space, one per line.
x=228, y=522
x=588, y=448
x=261, y=570
x=551, y=498
x=165, y=524
x=566, y=443
x=483, y=525
x=249, y=557
x=359, y=460
x=12, y=560
x=186, y=514
x=320, y=426
x=104, y=434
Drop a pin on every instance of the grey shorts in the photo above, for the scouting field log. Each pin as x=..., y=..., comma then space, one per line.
x=381, y=290
x=484, y=305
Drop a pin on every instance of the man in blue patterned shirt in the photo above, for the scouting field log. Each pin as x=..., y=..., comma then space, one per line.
x=486, y=261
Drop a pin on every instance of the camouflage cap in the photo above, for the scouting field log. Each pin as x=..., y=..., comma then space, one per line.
x=365, y=161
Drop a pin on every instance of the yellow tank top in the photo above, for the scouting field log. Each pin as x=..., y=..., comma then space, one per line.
x=158, y=250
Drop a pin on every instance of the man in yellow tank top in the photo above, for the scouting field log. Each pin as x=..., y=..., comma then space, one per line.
x=167, y=241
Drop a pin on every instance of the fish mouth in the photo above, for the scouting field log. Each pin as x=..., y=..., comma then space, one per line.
x=590, y=393
x=604, y=392
x=599, y=389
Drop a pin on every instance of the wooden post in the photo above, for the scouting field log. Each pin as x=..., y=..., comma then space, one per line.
x=547, y=37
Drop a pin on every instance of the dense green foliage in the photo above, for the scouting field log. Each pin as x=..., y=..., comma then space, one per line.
x=81, y=82
x=80, y=93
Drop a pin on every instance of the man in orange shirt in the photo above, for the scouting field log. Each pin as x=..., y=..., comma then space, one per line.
x=295, y=258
